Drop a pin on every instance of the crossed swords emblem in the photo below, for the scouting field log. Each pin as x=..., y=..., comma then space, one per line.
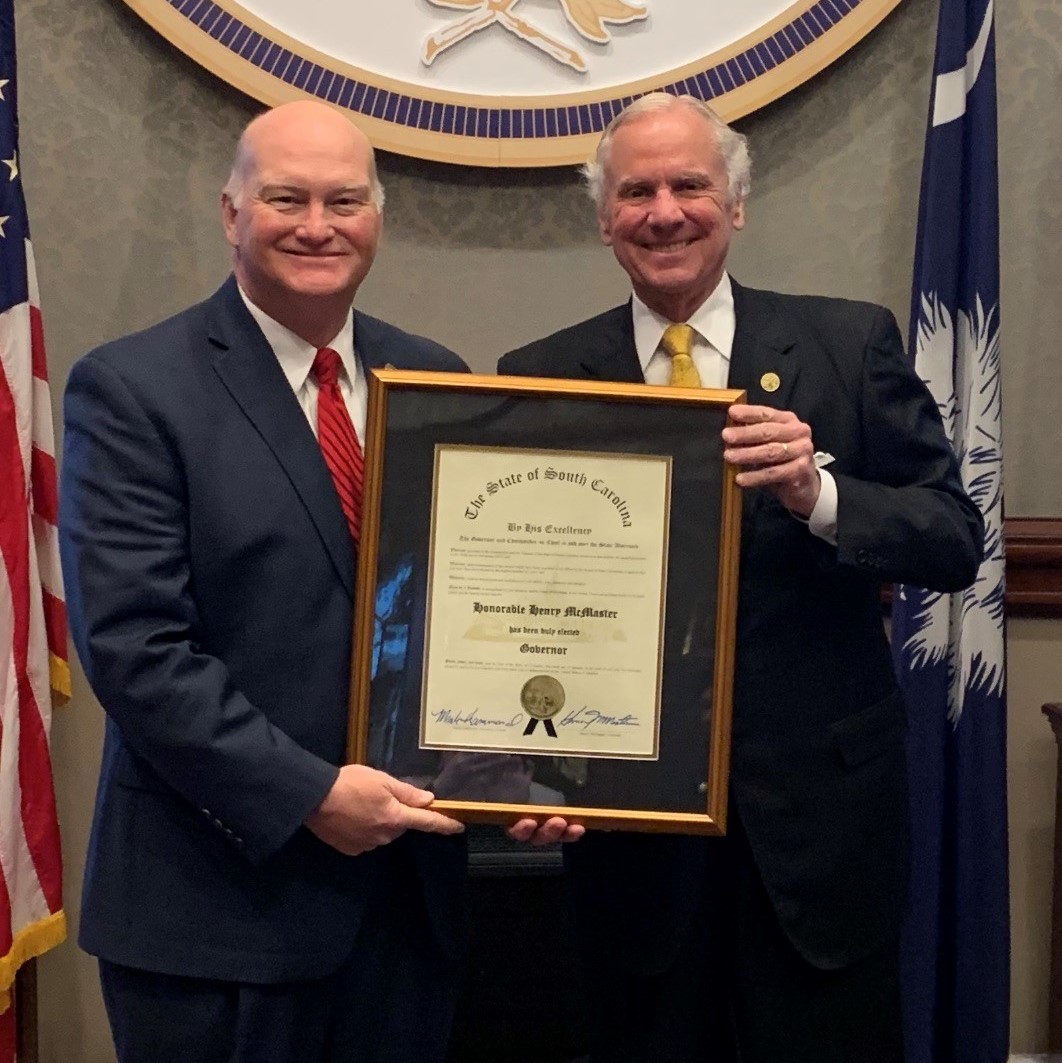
x=587, y=16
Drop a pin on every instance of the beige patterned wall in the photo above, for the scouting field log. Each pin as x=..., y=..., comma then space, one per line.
x=125, y=145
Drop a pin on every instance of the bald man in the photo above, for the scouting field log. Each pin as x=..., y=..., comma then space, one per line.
x=249, y=898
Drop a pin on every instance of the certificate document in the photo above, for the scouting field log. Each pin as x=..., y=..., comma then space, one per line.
x=545, y=611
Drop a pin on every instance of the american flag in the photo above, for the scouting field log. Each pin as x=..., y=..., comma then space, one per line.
x=949, y=648
x=33, y=654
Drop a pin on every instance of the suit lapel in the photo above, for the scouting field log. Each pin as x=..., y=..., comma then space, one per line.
x=609, y=353
x=249, y=370
x=766, y=353
x=765, y=356
x=372, y=347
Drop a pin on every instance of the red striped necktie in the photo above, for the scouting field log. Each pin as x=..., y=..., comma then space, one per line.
x=338, y=440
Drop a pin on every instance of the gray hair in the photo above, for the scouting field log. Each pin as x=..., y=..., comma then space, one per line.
x=732, y=146
x=242, y=165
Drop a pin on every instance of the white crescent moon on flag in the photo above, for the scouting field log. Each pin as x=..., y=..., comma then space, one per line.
x=951, y=89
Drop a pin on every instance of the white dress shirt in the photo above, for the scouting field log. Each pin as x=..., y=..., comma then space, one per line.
x=714, y=323
x=296, y=357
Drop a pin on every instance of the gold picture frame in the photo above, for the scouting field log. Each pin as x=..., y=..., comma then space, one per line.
x=546, y=598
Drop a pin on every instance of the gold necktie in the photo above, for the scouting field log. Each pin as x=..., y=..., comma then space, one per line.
x=678, y=342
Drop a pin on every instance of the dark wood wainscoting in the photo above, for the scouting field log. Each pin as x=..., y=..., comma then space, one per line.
x=1034, y=566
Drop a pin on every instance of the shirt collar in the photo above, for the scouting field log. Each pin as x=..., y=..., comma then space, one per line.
x=294, y=354
x=715, y=321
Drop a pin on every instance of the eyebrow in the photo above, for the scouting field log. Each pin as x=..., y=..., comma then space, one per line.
x=651, y=182
x=342, y=190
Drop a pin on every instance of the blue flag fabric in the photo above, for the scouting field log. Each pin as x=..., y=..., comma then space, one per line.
x=949, y=648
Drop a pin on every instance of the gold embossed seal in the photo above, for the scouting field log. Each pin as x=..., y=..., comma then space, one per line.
x=542, y=697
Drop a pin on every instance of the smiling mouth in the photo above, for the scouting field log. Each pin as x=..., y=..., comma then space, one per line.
x=298, y=253
x=677, y=245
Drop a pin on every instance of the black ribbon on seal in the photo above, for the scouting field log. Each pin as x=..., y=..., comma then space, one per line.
x=547, y=724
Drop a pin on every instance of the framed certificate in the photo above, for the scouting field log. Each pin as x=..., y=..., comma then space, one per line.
x=546, y=601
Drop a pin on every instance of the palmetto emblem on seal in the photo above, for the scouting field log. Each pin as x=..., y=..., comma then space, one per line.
x=588, y=17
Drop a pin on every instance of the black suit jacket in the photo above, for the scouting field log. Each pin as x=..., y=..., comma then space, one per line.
x=210, y=577
x=818, y=774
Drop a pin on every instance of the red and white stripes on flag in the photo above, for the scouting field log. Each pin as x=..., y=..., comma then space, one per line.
x=33, y=654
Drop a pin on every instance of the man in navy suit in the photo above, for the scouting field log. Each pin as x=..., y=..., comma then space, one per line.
x=249, y=897
x=777, y=944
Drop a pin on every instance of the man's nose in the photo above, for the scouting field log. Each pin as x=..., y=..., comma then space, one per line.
x=314, y=223
x=665, y=208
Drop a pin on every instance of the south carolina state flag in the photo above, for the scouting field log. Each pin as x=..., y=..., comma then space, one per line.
x=949, y=648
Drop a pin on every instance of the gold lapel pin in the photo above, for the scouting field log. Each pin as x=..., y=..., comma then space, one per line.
x=770, y=382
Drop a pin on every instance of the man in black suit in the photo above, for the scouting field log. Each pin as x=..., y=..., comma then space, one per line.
x=777, y=944
x=249, y=897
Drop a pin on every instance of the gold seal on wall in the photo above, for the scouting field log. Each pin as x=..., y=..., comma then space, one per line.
x=510, y=82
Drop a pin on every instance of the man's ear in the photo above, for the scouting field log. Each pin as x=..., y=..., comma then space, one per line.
x=604, y=227
x=737, y=214
x=228, y=218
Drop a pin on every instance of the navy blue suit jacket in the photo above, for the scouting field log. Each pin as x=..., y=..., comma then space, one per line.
x=817, y=773
x=210, y=578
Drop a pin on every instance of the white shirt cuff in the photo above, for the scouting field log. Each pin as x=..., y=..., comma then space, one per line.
x=823, y=519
